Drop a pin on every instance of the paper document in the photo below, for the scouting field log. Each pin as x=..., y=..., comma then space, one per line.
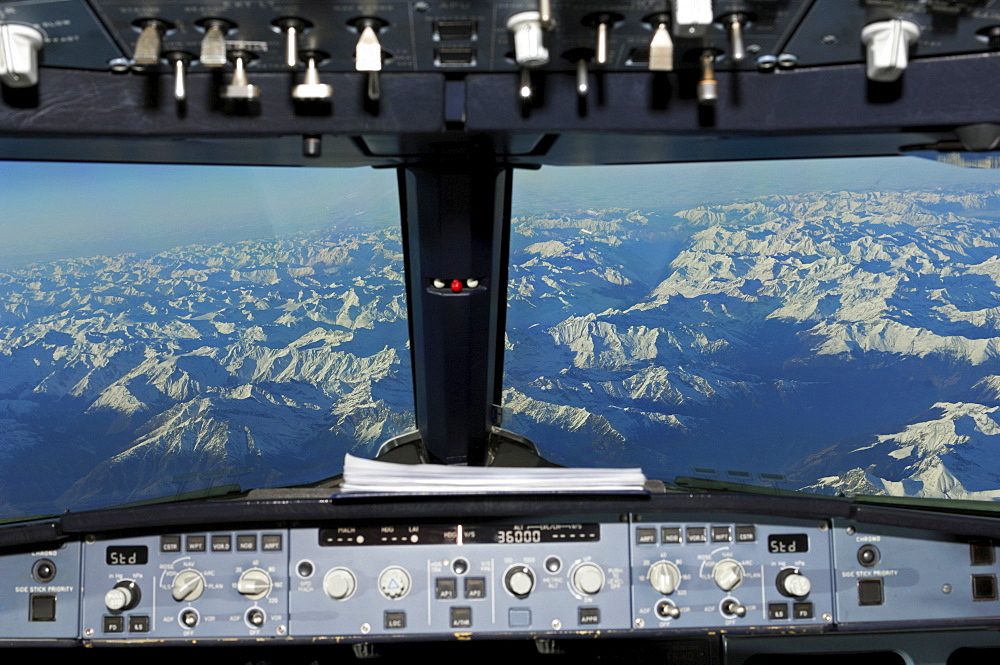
x=365, y=475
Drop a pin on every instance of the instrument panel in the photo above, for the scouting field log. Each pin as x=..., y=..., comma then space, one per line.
x=600, y=574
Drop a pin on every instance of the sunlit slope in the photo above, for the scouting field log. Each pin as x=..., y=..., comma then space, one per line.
x=770, y=335
x=251, y=363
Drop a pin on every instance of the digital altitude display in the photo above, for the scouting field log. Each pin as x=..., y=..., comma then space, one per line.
x=787, y=543
x=126, y=555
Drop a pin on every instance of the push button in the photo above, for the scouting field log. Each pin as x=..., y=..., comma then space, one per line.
x=114, y=624
x=42, y=608
x=475, y=587
x=777, y=611
x=138, y=623
x=870, y=591
x=444, y=588
x=461, y=617
x=395, y=620
x=645, y=536
x=984, y=587
x=802, y=610
x=589, y=616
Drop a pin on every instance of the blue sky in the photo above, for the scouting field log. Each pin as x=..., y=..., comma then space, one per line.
x=60, y=210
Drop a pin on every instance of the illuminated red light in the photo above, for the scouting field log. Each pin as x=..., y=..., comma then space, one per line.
x=456, y=285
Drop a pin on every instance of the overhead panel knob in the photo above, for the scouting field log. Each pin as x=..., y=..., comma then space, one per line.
x=150, y=42
x=529, y=41
x=239, y=87
x=888, y=46
x=213, y=44
x=692, y=17
x=19, y=47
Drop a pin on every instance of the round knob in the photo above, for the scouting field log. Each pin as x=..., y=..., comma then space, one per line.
x=664, y=576
x=394, y=582
x=339, y=583
x=588, y=578
x=529, y=41
x=728, y=574
x=188, y=586
x=122, y=596
x=254, y=584
x=519, y=580
x=793, y=583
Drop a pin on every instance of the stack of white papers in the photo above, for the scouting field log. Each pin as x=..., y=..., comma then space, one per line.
x=370, y=476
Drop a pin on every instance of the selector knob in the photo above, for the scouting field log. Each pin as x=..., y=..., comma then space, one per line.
x=664, y=576
x=529, y=43
x=394, y=582
x=122, y=596
x=728, y=574
x=340, y=583
x=888, y=45
x=588, y=578
x=19, y=47
x=188, y=585
x=794, y=584
x=519, y=580
x=254, y=584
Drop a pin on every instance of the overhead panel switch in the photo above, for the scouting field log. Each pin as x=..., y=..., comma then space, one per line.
x=888, y=44
x=529, y=43
x=19, y=46
x=692, y=18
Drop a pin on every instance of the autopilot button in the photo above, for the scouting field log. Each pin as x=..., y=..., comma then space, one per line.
x=589, y=616
x=395, y=620
x=475, y=587
x=444, y=588
x=777, y=611
x=461, y=617
x=802, y=610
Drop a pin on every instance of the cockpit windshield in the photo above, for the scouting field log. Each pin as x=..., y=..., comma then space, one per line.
x=175, y=330
x=822, y=325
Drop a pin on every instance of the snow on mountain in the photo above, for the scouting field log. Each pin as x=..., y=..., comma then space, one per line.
x=253, y=362
x=950, y=456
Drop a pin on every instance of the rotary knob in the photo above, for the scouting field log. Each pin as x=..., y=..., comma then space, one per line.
x=122, y=596
x=728, y=574
x=588, y=578
x=394, y=582
x=792, y=583
x=339, y=583
x=664, y=576
x=188, y=585
x=254, y=584
x=519, y=580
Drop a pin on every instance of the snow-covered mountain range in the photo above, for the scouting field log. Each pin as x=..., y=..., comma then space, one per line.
x=834, y=341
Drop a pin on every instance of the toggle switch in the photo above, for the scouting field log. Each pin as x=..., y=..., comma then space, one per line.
x=529, y=41
x=661, y=48
x=179, y=62
x=150, y=41
x=580, y=57
x=545, y=14
x=692, y=17
x=525, y=89
x=292, y=28
x=19, y=47
x=213, y=44
x=603, y=22
x=368, y=54
x=708, y=87
x=239, y=87
x=311, y=89
x=888, y=45
x=735, y=24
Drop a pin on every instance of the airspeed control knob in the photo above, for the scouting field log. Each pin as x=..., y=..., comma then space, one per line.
x=339, y=583
x=188, y=585
x=664, y=577
x=254, y=584
x=728, y=574
x=588, y=578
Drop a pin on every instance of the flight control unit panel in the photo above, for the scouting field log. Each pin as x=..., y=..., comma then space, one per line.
x=628, y=574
